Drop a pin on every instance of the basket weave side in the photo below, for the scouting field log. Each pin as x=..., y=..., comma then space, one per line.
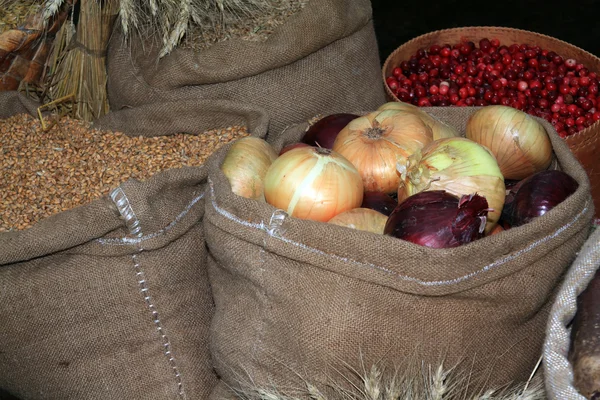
x=585, y=144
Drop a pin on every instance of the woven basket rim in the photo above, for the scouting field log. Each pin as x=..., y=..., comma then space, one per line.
x=577, y=136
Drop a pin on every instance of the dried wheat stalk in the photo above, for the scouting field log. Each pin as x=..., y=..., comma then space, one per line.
x=80, y=67
x=424, y=383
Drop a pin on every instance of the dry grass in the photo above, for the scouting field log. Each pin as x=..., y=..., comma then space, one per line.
x=13, y=13
x=410, y=383
x=194, y=24
x=204, y=22
x=79, y=59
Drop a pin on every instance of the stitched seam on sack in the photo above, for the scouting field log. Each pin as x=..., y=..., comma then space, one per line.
x=166, y=343
x=126, y=241
x=488, y=267
x=133, y=223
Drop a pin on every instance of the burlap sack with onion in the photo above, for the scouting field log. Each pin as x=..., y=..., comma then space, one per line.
x=297, y=300
x=585, y=144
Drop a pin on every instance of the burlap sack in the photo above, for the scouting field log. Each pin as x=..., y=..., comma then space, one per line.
x=111, y=300
x=299, y=299
x=324, y=59
x=585, y=144
x=558, y=371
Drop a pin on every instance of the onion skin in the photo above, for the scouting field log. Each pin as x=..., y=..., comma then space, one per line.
x=497, y=229
x=246, y=164
x=313, y=183
x=323, y=132
x=520, y=144
x=289, y=147
x=459, y=166
x=536, y=195
x=438, y=219
x=439, y=129
x=362, y=219
x=380, y=202
x=377, y=141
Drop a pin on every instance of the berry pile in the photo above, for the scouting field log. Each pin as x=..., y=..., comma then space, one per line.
x=531, y=79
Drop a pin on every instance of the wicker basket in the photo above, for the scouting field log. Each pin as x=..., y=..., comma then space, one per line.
x=585, y=144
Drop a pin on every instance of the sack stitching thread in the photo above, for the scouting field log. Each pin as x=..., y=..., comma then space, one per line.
x=133, y=223
x=125, y=241
x=486, y=268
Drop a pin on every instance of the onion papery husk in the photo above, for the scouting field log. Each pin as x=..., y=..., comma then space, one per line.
x=246, y=165
x=362, y=219
x=520, y=144
x=376, y=142
x=439, y=129
x=459, y=166
x=313, y=183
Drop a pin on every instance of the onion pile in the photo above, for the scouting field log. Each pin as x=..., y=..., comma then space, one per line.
x=400, y=172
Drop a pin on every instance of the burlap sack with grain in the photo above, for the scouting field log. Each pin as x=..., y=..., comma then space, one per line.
x=323, y=59
x=111, y=300
x=300, y=300
x=558, y=371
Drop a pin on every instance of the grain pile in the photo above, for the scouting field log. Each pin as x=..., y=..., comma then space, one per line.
x=43, y=173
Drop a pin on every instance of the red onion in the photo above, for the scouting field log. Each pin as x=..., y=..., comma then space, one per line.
x=323, y=132
x=379, y=201
x=536, y=195
x=439, y=219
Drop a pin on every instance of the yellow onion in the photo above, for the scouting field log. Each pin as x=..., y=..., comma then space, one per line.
x=377, y=141
x=440, y=130
x=313, y=183
x=246, y=164
x=520, y=144
x=362, y=219
x=459, y=166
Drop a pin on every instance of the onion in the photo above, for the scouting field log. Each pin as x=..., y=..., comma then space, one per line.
x=438, y=219
x=520, y=144
x=246, y=164
x=378, y=201
x=440, y=130
x=375, y=142
x=536, y=195
x=323, y=132
x=313, y=183
x=363, y=219
x=459, y=166
x=289, y=147
x=496, y=230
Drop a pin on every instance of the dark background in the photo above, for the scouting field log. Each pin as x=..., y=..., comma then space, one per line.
x=398, y=21
x=574, y=21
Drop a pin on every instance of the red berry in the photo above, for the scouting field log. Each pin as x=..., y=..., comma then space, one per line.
x=424, y=102
x=522, y=86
